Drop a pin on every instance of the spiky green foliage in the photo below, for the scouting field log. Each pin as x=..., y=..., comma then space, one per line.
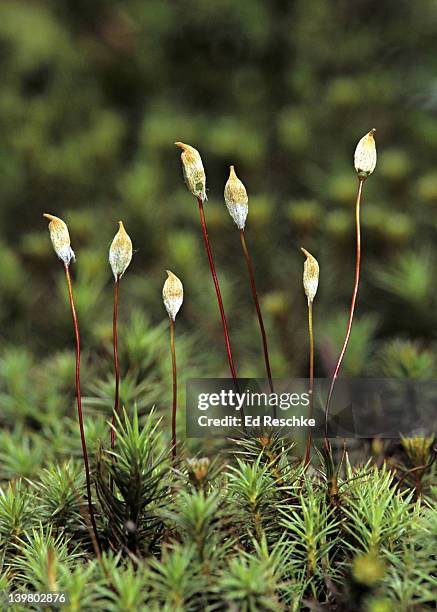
x=251, y=583
x=127, y=590
x=17, y=514
x=253, y=490
x=136, y=468
x=198, y=519
x=313, y=529
x=260, y=533
x=21, y=453
x=39, y=552
x=379, y=515
x=60, y=492
x=75, y=581
x=176, y=580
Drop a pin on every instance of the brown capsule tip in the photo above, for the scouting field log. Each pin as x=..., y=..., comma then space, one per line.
x=188, y=151
x=305, y=252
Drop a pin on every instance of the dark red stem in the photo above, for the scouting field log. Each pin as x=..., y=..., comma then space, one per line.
x=116, y=366
x=217, y=288
x=352, y=308
x=79, y=404
x=311, y=387
x=257, y=307
x=175, y=391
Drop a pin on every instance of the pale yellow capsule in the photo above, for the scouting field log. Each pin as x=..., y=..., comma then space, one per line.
x=310, y=276
x=365, y=155
x=120, y=252
x=172, y=294
x=60, y=238
x=236, y=199
x=194, y=172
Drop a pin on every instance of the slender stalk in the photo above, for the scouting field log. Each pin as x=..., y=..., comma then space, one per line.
x=116, y=365
x=352, y=307
x=79, y=404
x=257, y=307
x=311, y=389
x=217, y=289
x=175, y=391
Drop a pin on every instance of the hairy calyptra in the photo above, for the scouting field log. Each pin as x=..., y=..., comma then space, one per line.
x=365, y=155
x=310, y=275
x=172, y=294
x=60, y=238
x=120, y=252
x=236, y=199
x=193, y=170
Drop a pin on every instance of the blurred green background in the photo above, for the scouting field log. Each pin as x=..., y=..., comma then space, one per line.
x=93, y=96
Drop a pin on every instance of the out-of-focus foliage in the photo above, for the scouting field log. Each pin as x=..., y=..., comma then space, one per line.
x=93, y=97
